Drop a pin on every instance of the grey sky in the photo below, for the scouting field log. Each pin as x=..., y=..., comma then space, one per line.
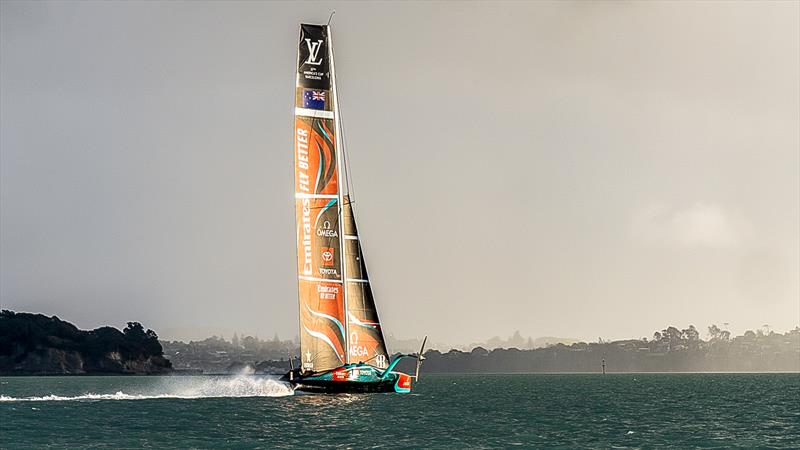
x=570, y=169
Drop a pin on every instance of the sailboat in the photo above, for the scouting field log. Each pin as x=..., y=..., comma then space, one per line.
x=341, y=339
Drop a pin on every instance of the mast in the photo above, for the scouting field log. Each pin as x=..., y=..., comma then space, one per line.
x=340, y=164
x=297, y=236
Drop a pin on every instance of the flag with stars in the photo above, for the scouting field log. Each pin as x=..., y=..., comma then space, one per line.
x=313, y=99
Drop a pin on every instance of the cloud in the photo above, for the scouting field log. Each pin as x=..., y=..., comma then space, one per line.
x=699, y=225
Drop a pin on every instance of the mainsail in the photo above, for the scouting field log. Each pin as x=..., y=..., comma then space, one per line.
x=338, y=320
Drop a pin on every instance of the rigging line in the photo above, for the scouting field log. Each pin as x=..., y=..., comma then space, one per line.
x=348, y=178
x=343, y=140
x=350, y=187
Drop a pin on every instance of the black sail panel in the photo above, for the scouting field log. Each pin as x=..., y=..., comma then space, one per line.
x=366, y=341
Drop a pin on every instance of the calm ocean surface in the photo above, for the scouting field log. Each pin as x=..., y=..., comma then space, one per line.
x=462, y=411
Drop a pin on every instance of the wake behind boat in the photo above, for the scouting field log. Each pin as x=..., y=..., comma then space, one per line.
x=341, y=340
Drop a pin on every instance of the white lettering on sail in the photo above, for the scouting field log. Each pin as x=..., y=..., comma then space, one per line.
x=355, y=349
x=307, y=238
x=326, y=230
x=313, y=52
x=304, y=183
x=302, y=150
x=327, y=292
x=358, y=350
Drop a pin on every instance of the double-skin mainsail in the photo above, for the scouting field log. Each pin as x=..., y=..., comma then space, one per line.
x=339, y=322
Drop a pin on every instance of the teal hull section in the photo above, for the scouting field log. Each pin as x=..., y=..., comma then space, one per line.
x=351, y=378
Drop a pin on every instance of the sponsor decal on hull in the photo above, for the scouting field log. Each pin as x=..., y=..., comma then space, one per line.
x=403, y=384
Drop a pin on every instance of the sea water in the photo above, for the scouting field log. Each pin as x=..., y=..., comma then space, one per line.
x=444, y=411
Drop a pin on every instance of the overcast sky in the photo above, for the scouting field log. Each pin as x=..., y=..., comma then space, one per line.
x=568, y=169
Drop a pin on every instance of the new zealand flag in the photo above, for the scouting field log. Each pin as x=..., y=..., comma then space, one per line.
x=313, y=99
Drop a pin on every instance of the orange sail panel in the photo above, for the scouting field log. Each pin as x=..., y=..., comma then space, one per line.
x=323, y=334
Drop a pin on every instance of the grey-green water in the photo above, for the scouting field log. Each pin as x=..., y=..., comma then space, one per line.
x=462, y=411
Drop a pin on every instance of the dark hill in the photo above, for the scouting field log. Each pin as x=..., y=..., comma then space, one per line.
x=37, y=344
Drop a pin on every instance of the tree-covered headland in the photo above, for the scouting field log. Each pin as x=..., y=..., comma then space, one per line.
x=37, y=344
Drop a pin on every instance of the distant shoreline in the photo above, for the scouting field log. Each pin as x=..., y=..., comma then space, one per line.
x=37, y=345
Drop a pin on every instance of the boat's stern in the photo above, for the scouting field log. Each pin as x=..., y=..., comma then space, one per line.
x=403, y=383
